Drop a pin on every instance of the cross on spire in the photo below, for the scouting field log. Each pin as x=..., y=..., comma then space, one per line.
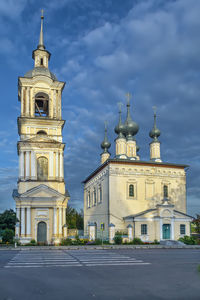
x=41, y=39
x=106, y=124
x=120, y=106
x=154, y=109
x=128, y=96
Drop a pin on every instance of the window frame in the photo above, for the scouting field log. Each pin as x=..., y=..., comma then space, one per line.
x=100, y=194
x=94, y=197
x=144, y=229
x=165, y=191
x=182, y=226
x=134, y=184
x=131, y=190
x=88, y=200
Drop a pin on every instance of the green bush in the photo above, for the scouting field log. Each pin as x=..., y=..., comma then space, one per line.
x=118, y=238
x=66, y=242
x=137, y=241
x=156, y=242
x=188, y=240
x=98, y=242
x=7, y=236
x=33, y=243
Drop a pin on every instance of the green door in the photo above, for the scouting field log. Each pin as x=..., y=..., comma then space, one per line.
x=42, y=232
x=166, y=231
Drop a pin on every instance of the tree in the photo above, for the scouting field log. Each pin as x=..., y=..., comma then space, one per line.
x=196, y=223
x=8, y=220
x=74, y=219
x=8, y=235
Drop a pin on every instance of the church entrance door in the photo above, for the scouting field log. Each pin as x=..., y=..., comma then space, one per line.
x=166, y=231
x=42, y=232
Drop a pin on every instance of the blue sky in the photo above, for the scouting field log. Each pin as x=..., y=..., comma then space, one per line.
x=103, y=49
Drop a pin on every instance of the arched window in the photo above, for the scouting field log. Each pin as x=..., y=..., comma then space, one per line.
x=42, y=132
x=42, y=168
x=41, y=105
x=131, y=190
x=41, y=61
x=95, y=197
x=165, y=191
x=100, y=194
x=88, y=200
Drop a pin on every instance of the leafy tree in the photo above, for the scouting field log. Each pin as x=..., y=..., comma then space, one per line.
x=196, y=223
x=8, y=220
x=7, y=235
x=74, y=219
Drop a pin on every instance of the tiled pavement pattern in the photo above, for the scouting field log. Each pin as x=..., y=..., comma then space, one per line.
x=76, y=258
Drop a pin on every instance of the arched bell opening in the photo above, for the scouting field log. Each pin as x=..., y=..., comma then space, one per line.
x=41, y=105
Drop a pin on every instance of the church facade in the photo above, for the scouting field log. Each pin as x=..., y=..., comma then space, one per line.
x=41, y=197
x=146, y=199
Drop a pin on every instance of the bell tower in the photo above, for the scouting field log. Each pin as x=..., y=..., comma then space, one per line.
x=41, y=197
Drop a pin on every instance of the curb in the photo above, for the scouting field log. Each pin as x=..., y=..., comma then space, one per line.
x=97, y=247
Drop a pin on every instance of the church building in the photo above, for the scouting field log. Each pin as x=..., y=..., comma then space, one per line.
x=146, y=199
x=41, y=198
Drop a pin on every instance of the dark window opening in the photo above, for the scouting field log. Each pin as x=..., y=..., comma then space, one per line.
x=88, y=199
x=42, y=132
x=182, y=229
x=95, y=197
x=100, y=194
x=144, y=229
x=41, y=105
x=165, y=191
x=41, y=61
x=131, y=190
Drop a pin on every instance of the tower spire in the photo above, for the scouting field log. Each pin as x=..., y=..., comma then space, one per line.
x=41, y=39
x=105, y=145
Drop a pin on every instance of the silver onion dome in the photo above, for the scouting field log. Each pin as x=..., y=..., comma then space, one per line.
x=131, y=127
x=120, y=128
x=155, y=132
x=105, y=145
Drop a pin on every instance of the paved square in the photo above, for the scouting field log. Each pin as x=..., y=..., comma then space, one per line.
x=123, y=274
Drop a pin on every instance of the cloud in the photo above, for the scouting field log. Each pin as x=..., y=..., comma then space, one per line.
x=103, y=49
x=12, y=8
x=152, y=52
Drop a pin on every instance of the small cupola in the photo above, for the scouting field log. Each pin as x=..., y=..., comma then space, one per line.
x=41, y=56
x=155, y=132
x=155, y=144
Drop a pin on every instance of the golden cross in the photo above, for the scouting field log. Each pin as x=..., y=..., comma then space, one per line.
x=120, y=106
x=42, y=13
x=106, y=123
x=154, y=109
x=128, y=96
